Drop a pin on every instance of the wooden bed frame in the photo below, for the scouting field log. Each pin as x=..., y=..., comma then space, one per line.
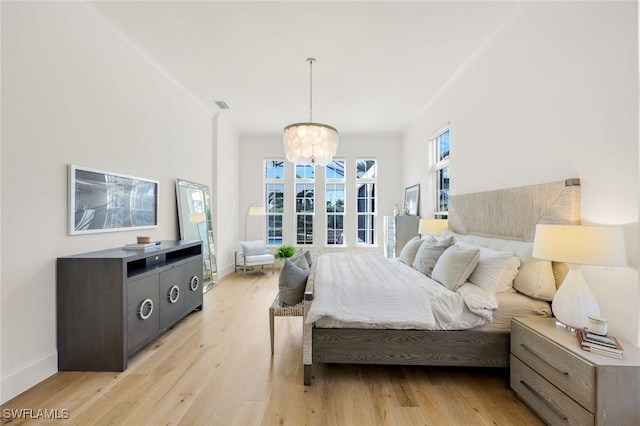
x=507, y=214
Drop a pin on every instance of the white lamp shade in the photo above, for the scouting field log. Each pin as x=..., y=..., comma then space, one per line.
x=310, y=144
x=256, y=211
x=432, y=226
x=584, y=245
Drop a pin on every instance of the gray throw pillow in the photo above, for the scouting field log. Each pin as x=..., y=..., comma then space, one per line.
x=429, y=253
x=410, y=249
x=293, y=280
x=454, y=266
x=307, y=255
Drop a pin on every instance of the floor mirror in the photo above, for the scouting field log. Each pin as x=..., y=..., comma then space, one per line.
x=194, y=218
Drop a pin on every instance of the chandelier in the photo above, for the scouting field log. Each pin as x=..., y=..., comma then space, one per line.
x=310, y=143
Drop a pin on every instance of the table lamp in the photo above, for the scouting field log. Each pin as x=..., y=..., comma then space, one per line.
x=432, y=226
x=578, y=245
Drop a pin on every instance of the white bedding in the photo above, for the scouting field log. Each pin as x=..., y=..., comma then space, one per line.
x=359, y=290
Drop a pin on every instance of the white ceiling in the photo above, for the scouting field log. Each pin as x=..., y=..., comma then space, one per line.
x=377, y=63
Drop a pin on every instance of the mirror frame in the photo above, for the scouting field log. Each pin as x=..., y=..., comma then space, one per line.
x=185, y=220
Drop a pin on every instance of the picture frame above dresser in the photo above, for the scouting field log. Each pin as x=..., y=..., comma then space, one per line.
x=101, y=201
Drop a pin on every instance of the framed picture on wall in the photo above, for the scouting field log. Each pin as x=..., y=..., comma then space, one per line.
x=412, y=199
x=102, y=201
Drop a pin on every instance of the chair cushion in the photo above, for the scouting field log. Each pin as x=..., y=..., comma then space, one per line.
x=260, y=259
x=252, y=248
x=292, y=281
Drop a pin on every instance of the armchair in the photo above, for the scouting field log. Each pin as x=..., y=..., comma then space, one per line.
x=253, y=253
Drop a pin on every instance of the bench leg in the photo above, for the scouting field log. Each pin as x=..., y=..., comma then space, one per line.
x=271, y=324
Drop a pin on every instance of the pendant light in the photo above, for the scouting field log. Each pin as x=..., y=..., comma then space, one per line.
x=310, y=143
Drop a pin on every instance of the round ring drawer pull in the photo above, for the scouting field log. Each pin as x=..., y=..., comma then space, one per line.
x=194, y=283
x=174, y=294
x=145, y=303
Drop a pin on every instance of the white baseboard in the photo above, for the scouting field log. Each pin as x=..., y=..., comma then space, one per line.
x=27, y=375
x=225, y=270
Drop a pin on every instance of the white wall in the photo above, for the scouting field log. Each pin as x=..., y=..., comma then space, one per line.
x=225, y=194
x=74, y=92
x=552, y=95
x=255, y=148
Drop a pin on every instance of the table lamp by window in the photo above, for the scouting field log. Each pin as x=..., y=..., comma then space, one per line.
x=578, y=245
x=432, y=226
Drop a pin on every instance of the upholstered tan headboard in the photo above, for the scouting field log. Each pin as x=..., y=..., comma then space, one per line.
x=513, y=213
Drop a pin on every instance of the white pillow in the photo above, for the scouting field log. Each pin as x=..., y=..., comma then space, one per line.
x=455, y=266
x=252, y=248
x=495, y=269
x=507, y=275
x=535, y=277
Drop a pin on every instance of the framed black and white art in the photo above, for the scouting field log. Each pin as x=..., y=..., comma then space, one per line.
x=102, y=201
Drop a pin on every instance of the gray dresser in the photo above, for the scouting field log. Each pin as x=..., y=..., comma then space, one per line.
x=397, y=231
x=112, y=303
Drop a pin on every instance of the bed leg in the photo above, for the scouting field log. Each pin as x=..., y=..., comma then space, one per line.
x=307, y=375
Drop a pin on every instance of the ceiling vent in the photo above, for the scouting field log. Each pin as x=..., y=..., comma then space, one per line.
x=222, y=104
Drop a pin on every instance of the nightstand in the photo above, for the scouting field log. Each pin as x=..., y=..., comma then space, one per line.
x=564, y=384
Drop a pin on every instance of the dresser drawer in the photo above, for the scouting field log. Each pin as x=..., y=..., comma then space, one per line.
x=573, y=375
x=549, y=402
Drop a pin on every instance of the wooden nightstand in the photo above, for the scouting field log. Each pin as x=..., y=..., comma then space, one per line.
x=564, y=384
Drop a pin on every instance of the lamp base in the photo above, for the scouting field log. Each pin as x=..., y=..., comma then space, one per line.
x=565, y=327
x=574, y=301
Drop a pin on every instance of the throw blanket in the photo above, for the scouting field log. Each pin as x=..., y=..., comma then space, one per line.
x=360, y=290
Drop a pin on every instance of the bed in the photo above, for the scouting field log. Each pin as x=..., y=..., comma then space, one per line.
x=502, y=220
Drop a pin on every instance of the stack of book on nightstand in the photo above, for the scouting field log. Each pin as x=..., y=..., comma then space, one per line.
x=598, y=344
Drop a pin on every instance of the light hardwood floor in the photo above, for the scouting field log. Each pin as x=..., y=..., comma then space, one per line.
x=215, y=368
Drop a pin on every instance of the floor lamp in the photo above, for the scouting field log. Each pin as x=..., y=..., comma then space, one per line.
x=578, y=245
x=253, y=210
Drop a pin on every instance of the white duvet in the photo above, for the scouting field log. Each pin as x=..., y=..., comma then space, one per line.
x=359, y=290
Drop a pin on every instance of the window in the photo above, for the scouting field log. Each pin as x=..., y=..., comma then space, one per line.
x=366, y=201
x=305, y=199
x=274, y=200
x=441, y=157
x=334, y=198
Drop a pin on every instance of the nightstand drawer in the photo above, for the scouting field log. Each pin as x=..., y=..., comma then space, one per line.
x=573, y=375
x=545, y=399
